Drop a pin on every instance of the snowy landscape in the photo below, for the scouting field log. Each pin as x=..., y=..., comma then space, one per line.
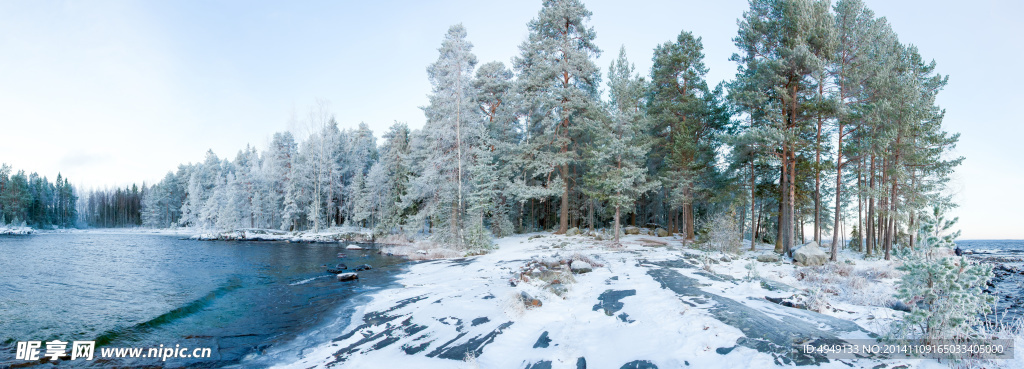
x=551, y=213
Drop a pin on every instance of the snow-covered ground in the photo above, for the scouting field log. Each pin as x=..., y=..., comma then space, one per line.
x=15, y=230
x=335, y=234
x=647, y=305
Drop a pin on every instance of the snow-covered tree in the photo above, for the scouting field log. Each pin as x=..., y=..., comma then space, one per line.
x=944, y=291
x=558, y=87
x=618, y=155
x=453, y=126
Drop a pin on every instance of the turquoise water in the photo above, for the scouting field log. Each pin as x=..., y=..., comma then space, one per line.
x=131, y=290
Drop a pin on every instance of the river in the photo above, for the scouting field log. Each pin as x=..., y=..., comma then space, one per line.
x=240, y=299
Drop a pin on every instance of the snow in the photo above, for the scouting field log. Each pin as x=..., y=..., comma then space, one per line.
x=465, y=313
x=15, y=230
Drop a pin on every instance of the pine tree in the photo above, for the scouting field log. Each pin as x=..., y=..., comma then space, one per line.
x=452, y=128
x=558, y=92
x=621, y=143
x=943, y=291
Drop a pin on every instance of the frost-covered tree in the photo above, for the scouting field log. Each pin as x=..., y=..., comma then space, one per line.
x=453, y=126
x=389, y=177
x=944, y=291
x=618, y=173
x=558, y=90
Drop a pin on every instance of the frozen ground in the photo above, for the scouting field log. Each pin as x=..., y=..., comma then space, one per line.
x=649, y=305
x=15, y=230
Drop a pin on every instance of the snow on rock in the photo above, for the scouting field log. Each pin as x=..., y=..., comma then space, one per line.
x=347, y=277
x=810, y=255
x=331, y=235
x=353, y=247
x=579, y=266
x=645, y=307
x=15, y=230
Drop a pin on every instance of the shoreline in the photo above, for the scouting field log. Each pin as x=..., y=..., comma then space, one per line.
x=645, y=305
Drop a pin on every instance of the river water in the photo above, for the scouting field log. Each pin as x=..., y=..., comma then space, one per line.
x=1007, y=256
x=240, y=299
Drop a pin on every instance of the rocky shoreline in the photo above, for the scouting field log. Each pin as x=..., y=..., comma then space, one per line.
x=1006, y=284
x=16, y=231
x=329, y=236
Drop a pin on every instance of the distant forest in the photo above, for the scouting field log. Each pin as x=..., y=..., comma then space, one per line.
x=829, y=120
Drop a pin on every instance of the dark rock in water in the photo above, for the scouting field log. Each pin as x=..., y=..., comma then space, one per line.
x=581, y=363
x=340, y=268
x=543, y=341
x=639, y=364
x=545, y=364
x=363, y=267
x=479, y=321
x=347, y=277
x=724, y=350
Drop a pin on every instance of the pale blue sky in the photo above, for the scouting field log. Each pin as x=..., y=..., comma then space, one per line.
x=111, y=92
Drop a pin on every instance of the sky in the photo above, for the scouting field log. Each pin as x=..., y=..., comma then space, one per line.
x=109, y=93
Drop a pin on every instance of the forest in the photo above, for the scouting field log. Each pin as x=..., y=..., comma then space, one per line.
x=829, y=131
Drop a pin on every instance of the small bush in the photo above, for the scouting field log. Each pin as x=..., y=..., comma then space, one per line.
x=721, y=233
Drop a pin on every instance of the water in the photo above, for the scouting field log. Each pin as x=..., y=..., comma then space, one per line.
x=132, y=290
x=1008, y=258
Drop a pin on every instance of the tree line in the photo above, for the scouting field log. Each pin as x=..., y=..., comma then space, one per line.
x=829, y=119
x=34, y=201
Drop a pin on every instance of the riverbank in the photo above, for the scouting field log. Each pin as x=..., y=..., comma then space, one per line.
x=644, y=305
x=15, y=230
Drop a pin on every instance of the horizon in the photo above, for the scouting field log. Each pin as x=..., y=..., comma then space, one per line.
x=114, y=93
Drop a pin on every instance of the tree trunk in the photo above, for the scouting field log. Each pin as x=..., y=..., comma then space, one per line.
x=753, y=203
x=617, y=214
x=563, y=224
x=839, y=188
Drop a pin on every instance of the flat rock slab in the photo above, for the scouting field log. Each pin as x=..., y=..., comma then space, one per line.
x=775, y=335
x=609, y=300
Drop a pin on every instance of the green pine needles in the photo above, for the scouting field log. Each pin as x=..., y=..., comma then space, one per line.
x=943, y=291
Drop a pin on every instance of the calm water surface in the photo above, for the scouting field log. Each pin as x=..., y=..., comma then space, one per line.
x=134, y=290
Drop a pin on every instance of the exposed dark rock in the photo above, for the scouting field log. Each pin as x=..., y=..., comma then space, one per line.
x=363, y=267
x=340, y=268
x=545, y=364
x=543, y=341
x=347, y=277
x=762, y=332
x=479, y=321
x=609, y=300
x=529, y=301
x=581, y=363
x=639, y=364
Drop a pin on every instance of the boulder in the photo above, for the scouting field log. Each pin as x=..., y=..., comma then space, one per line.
x=558, y=288
x=573, y=232
x=631, y=230
x=578, y=267
x=725, y=259
x=660, y=232
x=353, y=247
x=421, y=252
x=810, y=255
x=363, y=267
x=768, y=258
x=529, y=301
x=337, y=269
x=342, y=277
